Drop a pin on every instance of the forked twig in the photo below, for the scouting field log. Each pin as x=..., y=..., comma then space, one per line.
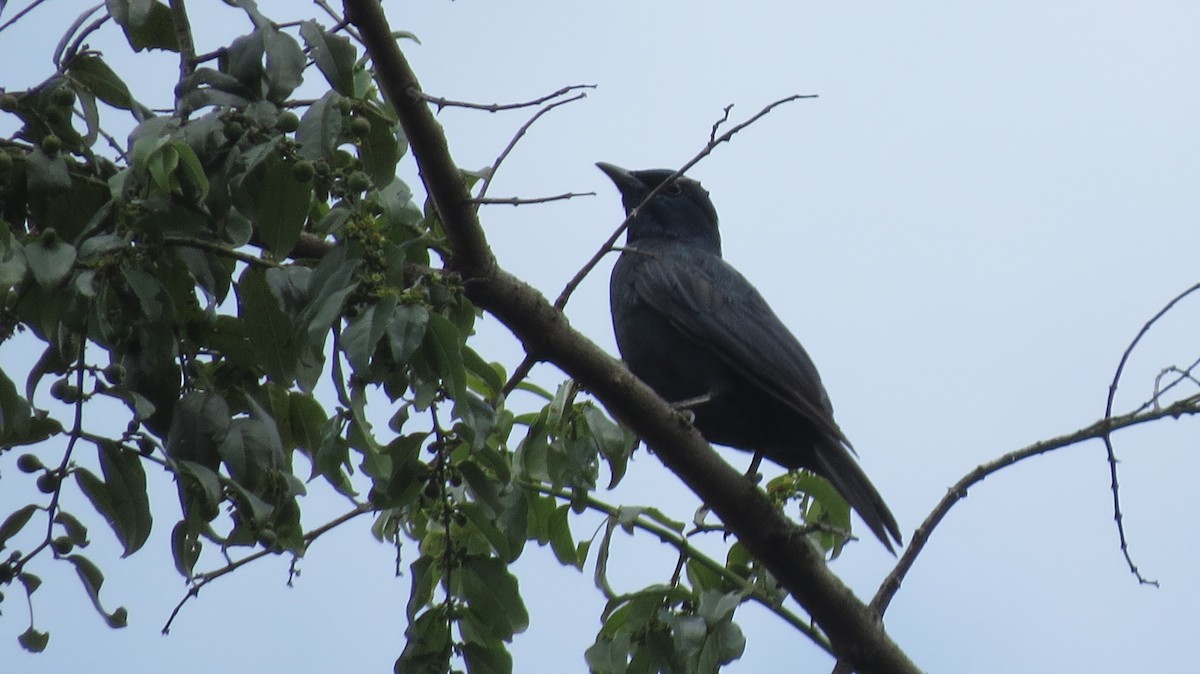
x=205, y=578
x=1118, y=516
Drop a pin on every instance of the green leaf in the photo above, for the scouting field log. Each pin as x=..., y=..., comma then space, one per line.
x=285, y=64
x=185, y=548
x=487, y=378
x=269, y=330
x=493, y=596
x=364, y=331
x=561, y=540
x=201, y=421
x=331, y=282
x=320, y=128
x=380, y=150
x=75, y=529
x=333, y=54
x=12, y=259
x=612, y=441
x=50, y=260
x=282, y=208
x=443, y=346
x=15, y=522
x=90, y=71
x=484, y=524
x=307, y=419
x=428, y=644
x=93, y=579
x=147, y=24
x=189, y=166
x=33, y=640
x=15, y=413
x=152, y=296
x=121, y=497
x=46, y=175
x=425, y=576
x=494, y=659
x=407, y=330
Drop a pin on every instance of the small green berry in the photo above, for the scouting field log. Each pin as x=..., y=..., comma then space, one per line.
x=51, y=144
x=62, y=545
x=303, y=171
x=9, y=103
x=360, y=126
x=28, y=463
x=47, y=483
x=358, y=182
x=63, y=97
x=287, y=122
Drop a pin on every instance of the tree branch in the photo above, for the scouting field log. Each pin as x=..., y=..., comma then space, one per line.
x=1108, y=445
x=206, y=578
x=497, y=107
x=1101, y=429
x=853, y=630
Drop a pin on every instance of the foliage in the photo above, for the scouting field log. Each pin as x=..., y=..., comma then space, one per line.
x=238, y=253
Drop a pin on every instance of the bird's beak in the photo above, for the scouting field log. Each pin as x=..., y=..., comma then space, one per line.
x=624, y=179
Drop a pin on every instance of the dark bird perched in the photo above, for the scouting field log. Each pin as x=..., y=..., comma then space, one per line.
x=695, y=330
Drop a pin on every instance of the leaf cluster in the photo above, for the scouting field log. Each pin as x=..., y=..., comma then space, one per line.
x=228, y=260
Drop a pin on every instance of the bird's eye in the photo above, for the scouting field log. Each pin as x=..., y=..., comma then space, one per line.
x=673, y=190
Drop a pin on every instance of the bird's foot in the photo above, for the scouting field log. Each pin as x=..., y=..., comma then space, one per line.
x=752, y=473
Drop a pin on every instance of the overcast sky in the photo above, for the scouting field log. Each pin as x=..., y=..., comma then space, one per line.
x=965, y=229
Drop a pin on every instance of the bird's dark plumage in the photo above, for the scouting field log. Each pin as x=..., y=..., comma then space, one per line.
x=694, y=329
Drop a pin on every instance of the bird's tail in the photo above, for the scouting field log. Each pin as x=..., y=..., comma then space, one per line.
x=837, y=465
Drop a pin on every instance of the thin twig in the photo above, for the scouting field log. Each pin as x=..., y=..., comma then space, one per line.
x=519, y=201
x=183, y=37
x=205, y=578
x=497, y=107
x=1118, y=516
x=491, y=174
x=341, y=23
x=21, y=14
x=1098, y=430
x=218, y=248
x=565, y=295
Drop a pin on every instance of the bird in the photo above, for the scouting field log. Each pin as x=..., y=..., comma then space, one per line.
x=696, y=331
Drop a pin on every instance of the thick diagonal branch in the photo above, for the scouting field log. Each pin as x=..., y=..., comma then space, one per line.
x=857, y=636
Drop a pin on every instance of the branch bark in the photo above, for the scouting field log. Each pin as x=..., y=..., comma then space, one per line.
x=856, y=634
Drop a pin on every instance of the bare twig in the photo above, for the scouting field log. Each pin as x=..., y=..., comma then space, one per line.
x=491, y=174
x=218, y=248
x=1118, y=516
x=587, y=268
x=205, y=578
x=519, y=201
x=1099, y=430
x=183, y=36
x=21, y=14
x=341, y=23
x=712, y=134
x=497, y=107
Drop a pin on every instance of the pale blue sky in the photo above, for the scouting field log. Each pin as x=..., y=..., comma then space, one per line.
x=965, y=230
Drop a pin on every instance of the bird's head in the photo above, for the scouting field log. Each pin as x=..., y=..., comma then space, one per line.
x=681, y=210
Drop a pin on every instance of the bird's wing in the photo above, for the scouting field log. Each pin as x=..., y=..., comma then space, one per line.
x=711, y=303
